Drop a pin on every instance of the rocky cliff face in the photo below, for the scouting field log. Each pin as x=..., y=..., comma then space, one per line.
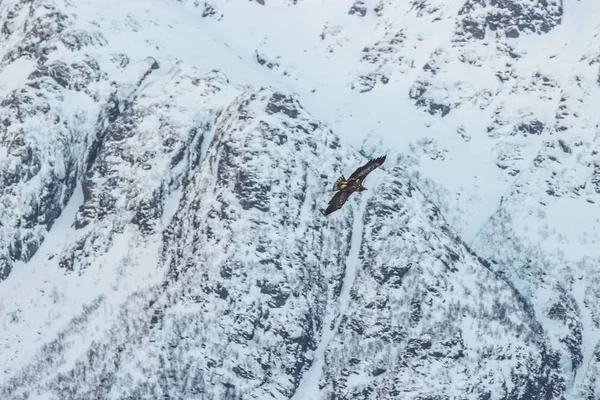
x=252, y=266
x=45, y=144
x=427, y=303
x=163, y=171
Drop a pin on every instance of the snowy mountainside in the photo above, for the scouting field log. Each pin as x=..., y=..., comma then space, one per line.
x=278, y=294
x=160, y=226
x=45, y=143
x=412, y=329
x=239, y=311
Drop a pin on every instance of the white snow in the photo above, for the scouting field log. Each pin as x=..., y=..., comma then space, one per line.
x=461, y=176
x=14, y=74
x=41, y=299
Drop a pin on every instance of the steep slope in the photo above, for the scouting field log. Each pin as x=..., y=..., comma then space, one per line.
x=107, y=112
x=238, y=277
x=240, y=309
x=429, y=319
x=108, y=240
x=44, y=140
x=244, y=296
x=241, y=306
x=544, y=239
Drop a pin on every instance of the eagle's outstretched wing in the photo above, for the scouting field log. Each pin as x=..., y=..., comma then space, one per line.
x=362, y=172
x=337, y=201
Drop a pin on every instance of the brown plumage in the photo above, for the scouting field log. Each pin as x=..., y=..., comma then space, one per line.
x=345, y=187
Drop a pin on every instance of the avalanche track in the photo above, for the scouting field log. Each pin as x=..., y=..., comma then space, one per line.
x=309, y=386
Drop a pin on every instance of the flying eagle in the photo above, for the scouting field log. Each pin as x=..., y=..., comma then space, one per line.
x=345, y=187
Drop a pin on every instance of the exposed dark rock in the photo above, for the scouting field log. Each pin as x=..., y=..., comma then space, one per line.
x=358, y=8
x=365, y=83
x=76, y=76
x=278, y=292
x=379, y=9
x=595, y=179
x=564, y=146
x=533, y=128
x=564, y=311
x=512, y=16
x=433, y=108
x=209, y=10
x=280, y=103
x=419, y=92
x=272, y=65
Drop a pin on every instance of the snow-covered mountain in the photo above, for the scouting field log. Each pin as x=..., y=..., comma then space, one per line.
x=164, y=166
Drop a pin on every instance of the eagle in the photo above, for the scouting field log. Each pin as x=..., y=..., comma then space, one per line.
x=345, y=188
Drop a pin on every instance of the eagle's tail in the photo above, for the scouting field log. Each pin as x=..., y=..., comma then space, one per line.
x=337, y=185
